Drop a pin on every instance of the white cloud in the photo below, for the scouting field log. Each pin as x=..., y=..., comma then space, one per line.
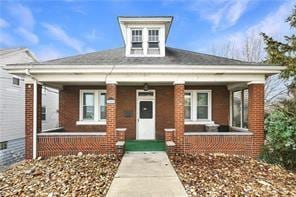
x=23, y=15
x=221, y=13
x=59, y=34
x=29, y=36
x=48, y=52
x=3, y=23
x=6, y=39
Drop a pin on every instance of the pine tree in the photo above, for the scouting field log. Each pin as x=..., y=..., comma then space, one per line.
x=284, y=53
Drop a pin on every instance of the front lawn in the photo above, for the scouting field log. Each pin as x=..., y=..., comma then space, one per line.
x=224, y=175
x=81, y=175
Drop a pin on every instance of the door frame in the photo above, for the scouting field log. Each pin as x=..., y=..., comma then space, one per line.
x=150, y=98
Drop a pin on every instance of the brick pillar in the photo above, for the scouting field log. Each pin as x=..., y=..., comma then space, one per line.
x=179, y=116
x=111, y=118
x=29, y=96
x=256, y=116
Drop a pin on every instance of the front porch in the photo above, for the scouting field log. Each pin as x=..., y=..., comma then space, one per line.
x=168, y=112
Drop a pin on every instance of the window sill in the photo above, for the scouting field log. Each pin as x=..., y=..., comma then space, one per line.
x=240, y=129
x=198, y=122
x=85, y=122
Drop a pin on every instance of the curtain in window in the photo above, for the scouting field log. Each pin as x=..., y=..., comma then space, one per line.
x=103, y=105
x=187, y=106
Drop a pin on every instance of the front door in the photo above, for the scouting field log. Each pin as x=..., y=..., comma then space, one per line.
x=145, y=115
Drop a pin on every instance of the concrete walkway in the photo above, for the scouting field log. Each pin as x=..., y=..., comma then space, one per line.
x=146, y=174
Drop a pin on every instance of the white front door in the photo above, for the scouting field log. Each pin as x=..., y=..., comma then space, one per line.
x=145, y=115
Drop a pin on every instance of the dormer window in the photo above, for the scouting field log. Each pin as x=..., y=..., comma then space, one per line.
x=137, y=41
x=153, y=39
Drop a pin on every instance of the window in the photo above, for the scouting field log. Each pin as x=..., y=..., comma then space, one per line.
x=153, y=38
x=3, y=145
x=240, y=108
x=92, y=105
x=198, y=105
x=187, y=106
x=15, y=81
x=137, y=38
x=43, y=113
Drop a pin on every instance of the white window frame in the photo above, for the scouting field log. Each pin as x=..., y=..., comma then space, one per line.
x=194, y=119
x=142, y=36
x=155, y=29
x=240, y=128
x=97, y=103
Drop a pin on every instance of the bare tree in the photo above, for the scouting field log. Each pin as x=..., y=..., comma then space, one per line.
x=251, y=49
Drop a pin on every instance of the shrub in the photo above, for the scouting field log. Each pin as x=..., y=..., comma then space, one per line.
x=280, y=145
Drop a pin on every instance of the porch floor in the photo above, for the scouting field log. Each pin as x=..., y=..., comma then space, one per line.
x=144, y=145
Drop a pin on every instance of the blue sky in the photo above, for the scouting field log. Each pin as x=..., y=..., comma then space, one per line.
x=53, y=29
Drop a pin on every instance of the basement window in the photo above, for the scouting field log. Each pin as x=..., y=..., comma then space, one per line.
x=3, y=145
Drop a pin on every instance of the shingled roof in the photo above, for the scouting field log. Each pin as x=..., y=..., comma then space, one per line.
x=173, y=56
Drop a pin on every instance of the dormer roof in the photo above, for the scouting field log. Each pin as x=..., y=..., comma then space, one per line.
x=134, y=20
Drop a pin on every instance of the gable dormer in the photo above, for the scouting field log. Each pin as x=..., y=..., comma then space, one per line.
x=145, y=36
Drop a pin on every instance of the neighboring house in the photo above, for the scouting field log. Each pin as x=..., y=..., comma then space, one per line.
x=145, y=90
x=12, y=107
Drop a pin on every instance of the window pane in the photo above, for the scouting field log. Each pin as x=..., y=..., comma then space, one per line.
x=103, y=106
x=43, y=113
x=202, y=112
x=146, y=110
x=236, y=108
x=245, y=108
x=202, y=99
x=187, y=104
x=15, y=81
x=88, y=106
x=88, y=99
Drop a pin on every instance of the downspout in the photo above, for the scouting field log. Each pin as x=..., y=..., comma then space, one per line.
x=34, y=113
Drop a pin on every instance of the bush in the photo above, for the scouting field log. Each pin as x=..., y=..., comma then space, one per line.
x=280, y=145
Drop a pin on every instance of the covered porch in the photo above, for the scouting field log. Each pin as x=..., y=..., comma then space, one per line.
x=193, y=108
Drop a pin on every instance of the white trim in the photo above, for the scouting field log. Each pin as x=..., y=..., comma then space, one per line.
x=218, y=133
x=179, y=82
x=97, y=103
x=35, y=106
x=169, y=130
x=194, y=119
x=53, y=129
x=121, y=129
x=148, y=98
x=256, y=82
x=89, y=122
x=239, y=129
x=73, y=134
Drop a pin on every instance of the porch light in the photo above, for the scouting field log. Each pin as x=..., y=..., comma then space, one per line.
x=146, y=88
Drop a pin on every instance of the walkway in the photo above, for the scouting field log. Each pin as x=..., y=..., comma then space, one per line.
x=146, y=174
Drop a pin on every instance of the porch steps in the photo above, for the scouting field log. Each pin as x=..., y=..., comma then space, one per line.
x=145, y=145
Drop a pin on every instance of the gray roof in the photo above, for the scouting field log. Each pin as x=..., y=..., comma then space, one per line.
x=5, y=51
x=173, y=56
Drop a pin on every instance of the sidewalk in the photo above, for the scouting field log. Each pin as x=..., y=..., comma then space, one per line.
x=147, y=174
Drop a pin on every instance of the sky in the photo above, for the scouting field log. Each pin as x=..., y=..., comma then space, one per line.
x=53, y=29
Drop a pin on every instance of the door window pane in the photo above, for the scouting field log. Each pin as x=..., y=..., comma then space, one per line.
x=245, y=108
x=146, y=110
x=202, y=105
x=236, y=108
x=187, y=105
x=88, y=106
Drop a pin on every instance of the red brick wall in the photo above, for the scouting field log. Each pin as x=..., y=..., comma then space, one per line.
x=220, y=106
x=179, y=116
x=126, y=102
x=69, y=110
x=239, y=145
x=111, y=118
x=66, y=145
x=256, y=116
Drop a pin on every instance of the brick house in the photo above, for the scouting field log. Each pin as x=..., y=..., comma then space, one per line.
x=145, y=90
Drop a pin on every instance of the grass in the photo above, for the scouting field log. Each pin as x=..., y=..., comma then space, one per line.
x=144, y=145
